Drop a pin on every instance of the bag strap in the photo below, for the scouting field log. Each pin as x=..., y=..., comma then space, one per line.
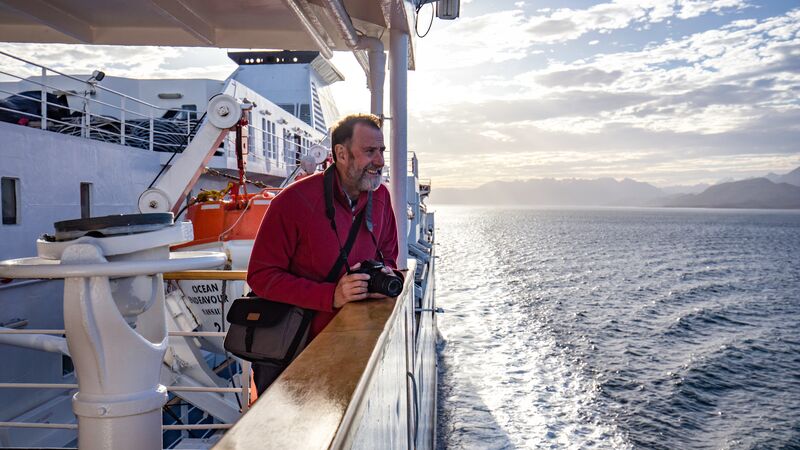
x=344, y=251
x=328, y=184
x=330, y=212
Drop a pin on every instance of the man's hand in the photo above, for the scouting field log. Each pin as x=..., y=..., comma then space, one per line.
x=387, y=271
x=351, y=288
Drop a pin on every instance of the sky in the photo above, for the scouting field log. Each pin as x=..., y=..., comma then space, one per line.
x=669, y=92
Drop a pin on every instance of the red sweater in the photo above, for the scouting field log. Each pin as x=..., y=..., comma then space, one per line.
x=296, y=247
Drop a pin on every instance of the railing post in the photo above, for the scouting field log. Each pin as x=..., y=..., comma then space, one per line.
x=122, y=121
x=44, y=99
x=188, y=128
x=151, y=130
x=247, y=373
x=84, y=121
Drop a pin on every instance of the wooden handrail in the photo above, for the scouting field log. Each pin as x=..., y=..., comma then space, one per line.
x=317, y=396
x=207, y=275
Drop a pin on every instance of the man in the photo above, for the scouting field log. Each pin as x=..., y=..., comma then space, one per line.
x=297, y=246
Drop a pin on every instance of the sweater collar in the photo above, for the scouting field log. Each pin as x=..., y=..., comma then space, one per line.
x=342, y=198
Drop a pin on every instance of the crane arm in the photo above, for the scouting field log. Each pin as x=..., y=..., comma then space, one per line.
x=171, y=188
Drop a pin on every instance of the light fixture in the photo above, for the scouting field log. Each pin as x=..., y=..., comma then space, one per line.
x=97, y=76
x=170, y=95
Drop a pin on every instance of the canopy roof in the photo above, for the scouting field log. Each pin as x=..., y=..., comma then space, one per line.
x=273, y=24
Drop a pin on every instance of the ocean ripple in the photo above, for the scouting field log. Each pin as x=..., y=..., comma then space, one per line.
x=618, y=328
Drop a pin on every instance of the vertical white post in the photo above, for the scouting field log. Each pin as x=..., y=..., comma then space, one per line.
x=247, y=373
x=188, y=129
x=398, y=91
x=44, y=99
x=117, y=407
x=151, y=130
x=85, y=118
x=122, y=121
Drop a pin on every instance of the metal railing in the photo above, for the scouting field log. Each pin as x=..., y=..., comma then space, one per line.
x=83, y=108
x=244, y=390
x=245, y=379
x=66, y=104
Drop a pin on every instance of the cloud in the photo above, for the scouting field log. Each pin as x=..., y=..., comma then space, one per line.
x=470, y=41
x=579, y=77
x=497, y=136
x=507, y=35
x=710, y=82
x=566, y=24
x=715, y=103
x=125, y=61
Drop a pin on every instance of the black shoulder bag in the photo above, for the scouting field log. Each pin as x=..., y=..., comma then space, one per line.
x=266, y=331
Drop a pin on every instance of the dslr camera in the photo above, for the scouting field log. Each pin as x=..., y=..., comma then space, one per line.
x=380, y=282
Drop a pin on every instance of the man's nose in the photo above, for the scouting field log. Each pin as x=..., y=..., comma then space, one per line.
x=379, y=160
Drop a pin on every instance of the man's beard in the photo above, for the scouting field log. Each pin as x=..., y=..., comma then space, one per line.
x=366, y=181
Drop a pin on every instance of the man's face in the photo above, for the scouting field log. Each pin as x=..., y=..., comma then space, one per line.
x=362, y=160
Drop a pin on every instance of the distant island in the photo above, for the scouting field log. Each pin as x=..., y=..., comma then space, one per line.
x=772, y=192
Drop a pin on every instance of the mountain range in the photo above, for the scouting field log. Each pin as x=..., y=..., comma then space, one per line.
x=771, y=191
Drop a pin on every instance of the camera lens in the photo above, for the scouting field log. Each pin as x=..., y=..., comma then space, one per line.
x=393, y=287
x=389, y=285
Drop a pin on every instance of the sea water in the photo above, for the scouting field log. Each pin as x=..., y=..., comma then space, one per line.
x=618, y=328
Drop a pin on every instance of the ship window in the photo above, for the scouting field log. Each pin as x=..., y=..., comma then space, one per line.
x=10, y=193
x=190, y=111
x=288, y=107
x=305, y=113
x=86, y=200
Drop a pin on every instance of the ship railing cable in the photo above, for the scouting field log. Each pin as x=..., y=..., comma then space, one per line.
x=221, y=174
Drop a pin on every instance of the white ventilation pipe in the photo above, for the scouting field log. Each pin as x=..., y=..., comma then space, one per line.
x=377, y=71
x=375, y=67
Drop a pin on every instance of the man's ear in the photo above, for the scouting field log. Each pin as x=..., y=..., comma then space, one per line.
x=340, y=151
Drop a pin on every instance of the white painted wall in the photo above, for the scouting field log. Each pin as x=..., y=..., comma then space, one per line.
x=50, y=168
x=280, y=83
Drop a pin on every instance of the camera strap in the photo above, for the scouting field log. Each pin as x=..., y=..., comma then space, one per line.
x=330, y=212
